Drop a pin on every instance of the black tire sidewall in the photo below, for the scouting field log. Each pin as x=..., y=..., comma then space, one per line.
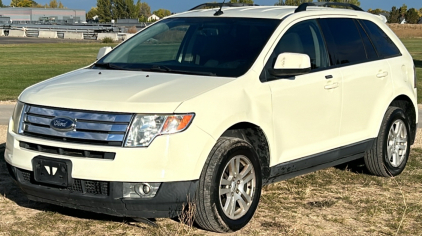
x=244, y=150
x=398, y=114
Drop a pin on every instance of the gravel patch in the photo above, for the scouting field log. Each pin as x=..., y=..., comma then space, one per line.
x=7, y=102
x=3, y=132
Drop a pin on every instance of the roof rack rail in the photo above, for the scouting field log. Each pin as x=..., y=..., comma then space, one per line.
x=215, y=5
x=303, y=6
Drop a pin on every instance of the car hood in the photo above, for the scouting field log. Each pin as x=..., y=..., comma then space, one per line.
x=120, y=91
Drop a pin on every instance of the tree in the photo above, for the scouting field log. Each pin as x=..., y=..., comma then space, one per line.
x=91, y=13
x=144, y=9
x=394, y=15
x=53, y=4
x=1, y=4
x=420, y=12
x=403, y=10
x=162, y=13
x=104, y=10
x=298, y=2
x=412, y=16
x=377, y=11
x=25, y=3
x=291, y=2
x=242, y=1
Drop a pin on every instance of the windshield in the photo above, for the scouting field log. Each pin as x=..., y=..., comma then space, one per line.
x=206, y=46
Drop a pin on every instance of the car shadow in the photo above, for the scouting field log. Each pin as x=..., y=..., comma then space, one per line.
x=356, y=166
x=418, y=64
x=11, y=191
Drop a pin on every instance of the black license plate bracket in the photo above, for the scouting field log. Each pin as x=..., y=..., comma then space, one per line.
x=52, y=171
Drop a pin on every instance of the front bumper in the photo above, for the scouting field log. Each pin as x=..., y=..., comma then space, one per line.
x=106, y=197
x=169, y=158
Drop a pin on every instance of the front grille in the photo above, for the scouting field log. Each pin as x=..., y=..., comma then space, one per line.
x=67, y=151
x=94, y=128
x=88, y=187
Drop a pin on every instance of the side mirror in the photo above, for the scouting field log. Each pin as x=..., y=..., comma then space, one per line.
x=291, y=64
x=103, y=51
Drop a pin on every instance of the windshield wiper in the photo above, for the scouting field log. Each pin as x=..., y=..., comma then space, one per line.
x=167, y=69
x=109, y=66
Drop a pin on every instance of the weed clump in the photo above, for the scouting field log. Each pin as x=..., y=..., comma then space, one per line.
x=107, y=40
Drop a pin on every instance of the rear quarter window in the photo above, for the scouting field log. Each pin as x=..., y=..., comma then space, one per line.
x=383, y=44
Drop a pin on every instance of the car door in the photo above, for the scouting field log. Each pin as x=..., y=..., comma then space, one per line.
x=366, y=79
x=306, y=108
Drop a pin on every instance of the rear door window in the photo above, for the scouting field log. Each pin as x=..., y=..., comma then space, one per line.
x=384, y=45
x=371, y=54
x=343, y=40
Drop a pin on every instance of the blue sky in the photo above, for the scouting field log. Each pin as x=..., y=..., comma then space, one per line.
x=183, y=5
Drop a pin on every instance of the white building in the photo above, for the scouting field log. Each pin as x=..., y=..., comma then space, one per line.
x=153, y=17
x=43, y=14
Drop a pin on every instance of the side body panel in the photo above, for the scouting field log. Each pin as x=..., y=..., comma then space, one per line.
x=367, y=89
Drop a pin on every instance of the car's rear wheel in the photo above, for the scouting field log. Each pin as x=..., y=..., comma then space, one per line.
x=229, y=187
x=388, y=156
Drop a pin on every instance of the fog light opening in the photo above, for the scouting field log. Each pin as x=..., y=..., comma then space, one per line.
x=140, y=190
x=143, y=189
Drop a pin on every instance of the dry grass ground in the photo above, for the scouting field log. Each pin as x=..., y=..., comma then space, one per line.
x=407, y=30
x=335, y=201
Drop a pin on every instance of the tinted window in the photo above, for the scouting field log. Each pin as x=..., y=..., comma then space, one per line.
x=305, y=38
x=206, y=46
x=343, y=40
x=384, y=45
x=371, y=54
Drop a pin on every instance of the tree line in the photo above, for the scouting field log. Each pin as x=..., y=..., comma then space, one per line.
x=412, y=15
x=32, y=3
x=108, y=10
x=298, y=2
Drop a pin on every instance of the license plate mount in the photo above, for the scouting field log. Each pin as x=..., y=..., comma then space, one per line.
x=52, y=171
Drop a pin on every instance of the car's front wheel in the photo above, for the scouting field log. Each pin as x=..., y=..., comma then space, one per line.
x=229, y=187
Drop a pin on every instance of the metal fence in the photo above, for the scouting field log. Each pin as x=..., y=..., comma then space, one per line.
x=90, y=31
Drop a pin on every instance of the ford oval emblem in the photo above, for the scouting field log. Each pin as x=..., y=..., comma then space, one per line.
x=63, y=124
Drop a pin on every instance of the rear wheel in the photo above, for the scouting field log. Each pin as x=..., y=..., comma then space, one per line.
x=229, y=187
x=389, y=154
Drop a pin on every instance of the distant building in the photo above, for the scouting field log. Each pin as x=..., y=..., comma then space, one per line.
x=4, y=19
x=153, y=17
x=25, y=14
x=402, y=20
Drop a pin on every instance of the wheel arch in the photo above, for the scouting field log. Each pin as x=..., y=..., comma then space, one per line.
x=257, y=138
x=405, y=103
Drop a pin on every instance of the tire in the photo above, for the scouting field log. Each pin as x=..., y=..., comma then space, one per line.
x=217, y=175
x=390, y=151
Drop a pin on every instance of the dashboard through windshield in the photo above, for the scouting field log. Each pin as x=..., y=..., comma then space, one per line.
x=205, y=46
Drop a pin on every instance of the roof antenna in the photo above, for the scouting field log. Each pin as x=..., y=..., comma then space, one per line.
x=220, y=12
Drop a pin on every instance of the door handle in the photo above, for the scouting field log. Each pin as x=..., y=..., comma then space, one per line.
x=331, y=86
x=382, y=74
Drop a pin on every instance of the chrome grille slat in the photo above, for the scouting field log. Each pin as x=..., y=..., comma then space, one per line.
x=38, y=120
x=74, y=134
x=80, y=115
x=101, y=127
x=97, y=128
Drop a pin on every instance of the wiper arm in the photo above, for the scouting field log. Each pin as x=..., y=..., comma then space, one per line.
x=167, y=69
x=109, y=66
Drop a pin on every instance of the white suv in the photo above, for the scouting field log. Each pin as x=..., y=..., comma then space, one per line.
x=209, y=105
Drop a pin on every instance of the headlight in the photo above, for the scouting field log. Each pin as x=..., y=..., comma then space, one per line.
x=17, y=113
x=145, y=128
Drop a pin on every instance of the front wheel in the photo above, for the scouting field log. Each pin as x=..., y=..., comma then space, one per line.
x=389, y=154
x=229, y=187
